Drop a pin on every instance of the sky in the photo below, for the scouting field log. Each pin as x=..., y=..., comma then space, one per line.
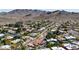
x=5, y=10
x=70, y=10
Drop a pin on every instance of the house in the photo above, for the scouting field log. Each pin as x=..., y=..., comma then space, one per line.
x=53, y=30
x=38, y=41
x=51, y=39
x=66, y=44
x=9, y=37
x=73, y=32
x=71, y=46
x=29, y=30
x=44, y=49
x=74, y=47
x=70, y=37
x=41, y=29
x=5, y=27
x=5, y=47
x=14, y=29
x=2, y=35
x=76, y=42
x=16, y=41
x=30, y=44
x=57, y=48
x=61, y=38
x=62, y=32
x=33, y=34
x=11, y=31
x=25, y=37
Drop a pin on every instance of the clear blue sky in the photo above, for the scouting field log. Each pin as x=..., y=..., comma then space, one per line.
x=70, y=10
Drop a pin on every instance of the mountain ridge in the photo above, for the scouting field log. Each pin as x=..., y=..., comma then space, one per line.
x=29, y=14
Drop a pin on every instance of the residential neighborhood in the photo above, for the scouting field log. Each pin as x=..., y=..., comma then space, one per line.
x=38, y=35
x=39, y=30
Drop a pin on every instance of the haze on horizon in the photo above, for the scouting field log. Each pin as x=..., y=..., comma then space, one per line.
x=69, y=10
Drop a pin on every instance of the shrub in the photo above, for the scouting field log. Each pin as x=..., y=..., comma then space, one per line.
x=77, y=38
x=19, y=24
x=49, y=45
x=51, y=35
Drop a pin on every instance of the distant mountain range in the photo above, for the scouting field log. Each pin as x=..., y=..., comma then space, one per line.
x=29, y=14
x=30, y=11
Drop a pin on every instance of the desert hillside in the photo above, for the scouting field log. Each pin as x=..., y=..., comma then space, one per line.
x=29, y=14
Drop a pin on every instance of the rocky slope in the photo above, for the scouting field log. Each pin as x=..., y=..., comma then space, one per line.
x=29, y=14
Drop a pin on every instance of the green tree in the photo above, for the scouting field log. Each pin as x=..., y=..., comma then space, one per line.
x=18, y=24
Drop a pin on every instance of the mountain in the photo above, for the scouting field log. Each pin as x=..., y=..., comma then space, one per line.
x=3, y=13
x=29, y=14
